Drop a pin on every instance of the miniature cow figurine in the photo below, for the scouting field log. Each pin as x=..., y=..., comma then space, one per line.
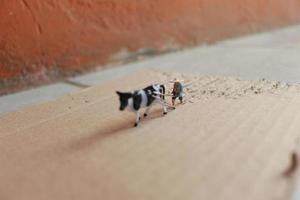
x=145, y=98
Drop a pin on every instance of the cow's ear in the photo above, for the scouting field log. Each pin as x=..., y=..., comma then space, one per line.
x=118, y=93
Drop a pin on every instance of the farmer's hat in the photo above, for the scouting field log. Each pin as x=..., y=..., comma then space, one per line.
x=176, y=80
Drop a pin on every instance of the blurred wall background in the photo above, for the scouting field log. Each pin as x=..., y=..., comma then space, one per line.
x=44, y=40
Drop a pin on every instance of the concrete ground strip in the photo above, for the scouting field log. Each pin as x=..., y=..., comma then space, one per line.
x=272, y=55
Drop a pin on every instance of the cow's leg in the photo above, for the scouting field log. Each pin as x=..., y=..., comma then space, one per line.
x=138, y=118
x=163, y=104
x=165, y=109
x=147, y=110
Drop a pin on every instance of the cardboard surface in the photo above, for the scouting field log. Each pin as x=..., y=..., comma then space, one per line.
x=81, y=147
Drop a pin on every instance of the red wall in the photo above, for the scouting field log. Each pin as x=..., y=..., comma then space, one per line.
x=48, y=38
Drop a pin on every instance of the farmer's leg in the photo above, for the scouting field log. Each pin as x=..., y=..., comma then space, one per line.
x=181, y=99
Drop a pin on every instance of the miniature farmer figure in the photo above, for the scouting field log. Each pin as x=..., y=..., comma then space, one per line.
x=177, y=91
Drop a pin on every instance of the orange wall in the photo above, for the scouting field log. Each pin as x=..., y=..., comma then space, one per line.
x=53, y=37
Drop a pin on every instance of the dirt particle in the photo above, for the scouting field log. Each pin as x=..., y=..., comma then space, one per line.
x=293, y=165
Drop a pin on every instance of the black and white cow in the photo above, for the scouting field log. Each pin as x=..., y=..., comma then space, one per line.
x=145, y=98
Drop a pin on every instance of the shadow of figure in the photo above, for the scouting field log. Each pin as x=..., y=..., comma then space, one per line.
x=120, y=126
x=99, y=136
